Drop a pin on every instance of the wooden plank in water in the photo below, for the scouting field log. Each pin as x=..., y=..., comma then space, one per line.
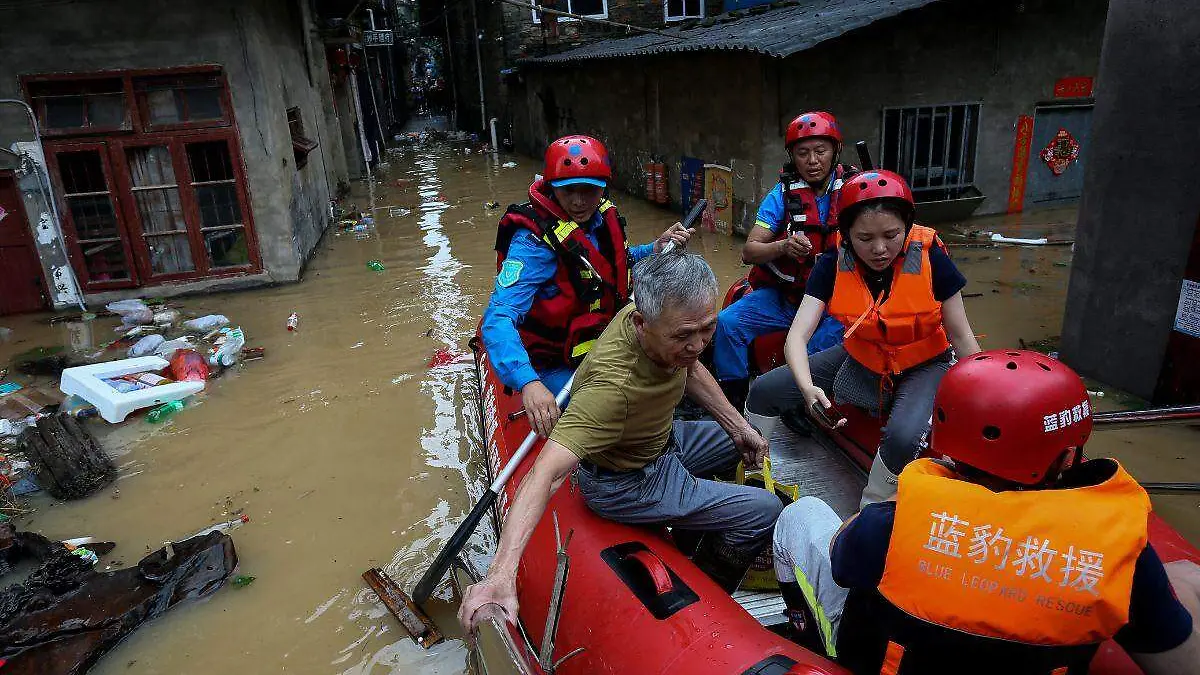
x=419, y=626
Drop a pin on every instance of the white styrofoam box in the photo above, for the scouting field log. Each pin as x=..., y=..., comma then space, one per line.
x=87, y=382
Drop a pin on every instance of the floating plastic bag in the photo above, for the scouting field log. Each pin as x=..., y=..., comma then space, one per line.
x=207, y=323
x=132, y=312
x=146, y=345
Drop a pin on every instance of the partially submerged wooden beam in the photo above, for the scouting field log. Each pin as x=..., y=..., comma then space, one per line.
x=419, y=626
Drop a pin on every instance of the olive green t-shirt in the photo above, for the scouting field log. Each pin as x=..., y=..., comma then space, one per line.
x=622, y=403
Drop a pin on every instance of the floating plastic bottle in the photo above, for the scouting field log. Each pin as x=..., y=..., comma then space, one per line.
x=223, y=527
x=376, y=265
x=227, y=354
x=293, y=321
x=164, y=411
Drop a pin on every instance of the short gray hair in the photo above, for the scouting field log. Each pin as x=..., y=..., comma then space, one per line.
x=673, y=278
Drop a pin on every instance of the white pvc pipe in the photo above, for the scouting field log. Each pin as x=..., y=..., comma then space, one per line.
x=495, y=142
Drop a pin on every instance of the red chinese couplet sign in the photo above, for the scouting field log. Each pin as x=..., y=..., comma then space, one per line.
x=1073, y=87
x=1020, y=163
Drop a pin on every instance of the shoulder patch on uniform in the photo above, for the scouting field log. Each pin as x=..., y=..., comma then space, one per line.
x=510, y=272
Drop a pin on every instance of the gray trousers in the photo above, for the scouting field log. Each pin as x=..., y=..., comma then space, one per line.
x=776, y=392
x=802, y=540
x=667, y=491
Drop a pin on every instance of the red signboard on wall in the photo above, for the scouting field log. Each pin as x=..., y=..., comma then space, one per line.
x=1073, y=87
x=1020, y=163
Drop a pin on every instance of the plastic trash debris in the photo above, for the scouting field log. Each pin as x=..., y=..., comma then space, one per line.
x=164, y=411
x=293, y=321
x=166, y=349
x=9, y=387
x=999, y=239
x=376, y=265
x=226, y=354
x=1097, y=394
x=146, y=345
x=221, y=527
x=509, y=165
x=132, y=312
x=492, y=205
x=77, y=407
x=206, y=323
x=15, y=427
x=166, y=317
x=398, y=212
x=188, y=365
x=243, y=580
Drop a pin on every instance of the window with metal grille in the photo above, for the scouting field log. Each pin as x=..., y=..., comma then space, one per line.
x=678, y=10
x=933, y=147
x=596, y=9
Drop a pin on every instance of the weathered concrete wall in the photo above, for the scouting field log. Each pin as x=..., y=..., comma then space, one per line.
x=1121, y=307
x=271, y=59
x=949, y=52
x=663, y=107
x=715, y=103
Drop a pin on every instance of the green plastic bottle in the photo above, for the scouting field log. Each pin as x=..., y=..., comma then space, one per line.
x=162, y=412
x=376, y=265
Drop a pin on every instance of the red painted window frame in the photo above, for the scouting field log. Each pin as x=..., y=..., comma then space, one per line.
x=113, y=144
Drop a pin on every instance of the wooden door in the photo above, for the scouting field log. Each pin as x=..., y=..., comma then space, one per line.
x=22, y=285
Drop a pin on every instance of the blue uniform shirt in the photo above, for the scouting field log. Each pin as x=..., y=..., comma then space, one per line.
x=772, y=212
x=528, y=274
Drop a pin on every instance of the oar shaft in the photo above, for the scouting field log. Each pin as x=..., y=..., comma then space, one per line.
x=1183, y=414
x=527, y=445
x=458, y=540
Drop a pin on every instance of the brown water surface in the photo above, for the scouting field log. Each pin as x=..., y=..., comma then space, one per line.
x=348, y=451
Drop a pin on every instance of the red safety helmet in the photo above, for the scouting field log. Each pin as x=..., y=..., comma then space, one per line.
x=813, y=125
x=1010, y=414
x=871, y=185
x=572, y=160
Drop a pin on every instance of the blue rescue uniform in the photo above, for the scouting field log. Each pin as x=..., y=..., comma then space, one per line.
x=765, y=310
x=528, y=274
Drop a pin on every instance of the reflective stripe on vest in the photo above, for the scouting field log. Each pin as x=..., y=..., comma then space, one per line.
x=900, y=329
x=1039, y=567
x=891, y=659
x=559, y=330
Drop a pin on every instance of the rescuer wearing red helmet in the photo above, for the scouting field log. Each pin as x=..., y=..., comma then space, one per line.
x=1012, y=555
x=563, y=272
x=891, y=283
x=795, y=223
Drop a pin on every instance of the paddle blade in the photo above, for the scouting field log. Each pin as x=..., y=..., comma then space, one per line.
x=458, y=540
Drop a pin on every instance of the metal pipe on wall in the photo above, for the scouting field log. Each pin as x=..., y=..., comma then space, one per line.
x=479, y=67
x=44, y=188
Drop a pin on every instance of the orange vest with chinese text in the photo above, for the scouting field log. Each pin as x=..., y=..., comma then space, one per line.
x=1039, y=567
x=903, y=329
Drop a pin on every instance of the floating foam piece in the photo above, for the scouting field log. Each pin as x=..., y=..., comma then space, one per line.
x=87, y=382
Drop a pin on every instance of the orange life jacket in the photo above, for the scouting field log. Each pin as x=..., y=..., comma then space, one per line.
x=803, y=217
x=1038, y=578
x=593, y=281
x=892, y=333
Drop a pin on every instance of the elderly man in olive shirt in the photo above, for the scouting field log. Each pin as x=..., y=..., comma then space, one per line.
x=637, y=465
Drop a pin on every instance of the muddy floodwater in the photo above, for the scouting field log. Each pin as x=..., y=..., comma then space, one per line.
x=348, y=450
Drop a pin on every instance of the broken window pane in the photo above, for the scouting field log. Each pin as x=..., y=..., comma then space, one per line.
x=105, y=261
x=227, y=248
